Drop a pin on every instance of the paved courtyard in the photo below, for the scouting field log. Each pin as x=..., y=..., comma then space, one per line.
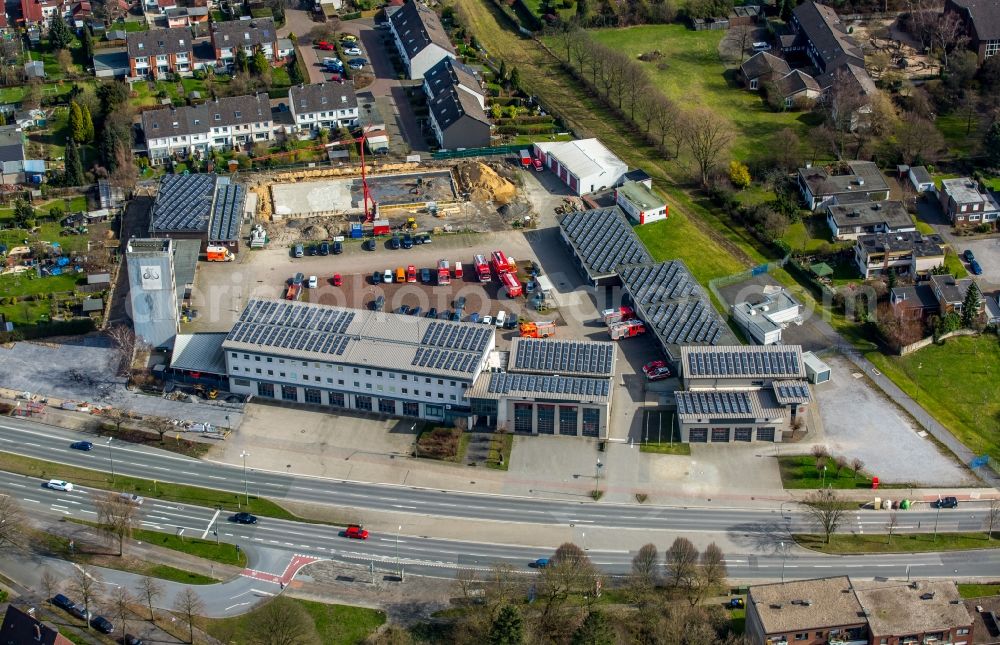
x=860, y=422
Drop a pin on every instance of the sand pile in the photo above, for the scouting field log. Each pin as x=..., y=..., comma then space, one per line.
x=484, y=184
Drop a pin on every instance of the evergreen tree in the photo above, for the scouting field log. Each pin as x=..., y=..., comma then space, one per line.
x=515, y=79
x=88, y=124
x=582, y=10
x=60, y=35
x=241, y=61
x=970, y=306
x=77, y=132
x=508, y=628
x=259, y=63
x=502, y=74
x=294, y=73
x=991, y=144
x=74, y=166
x=112, y=94
x=594, y=630
x=785, y=8
x=87, y=44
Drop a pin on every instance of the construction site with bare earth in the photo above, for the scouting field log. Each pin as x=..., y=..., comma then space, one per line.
x=322, y=203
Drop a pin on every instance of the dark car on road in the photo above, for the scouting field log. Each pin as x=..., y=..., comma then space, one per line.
x=62, y=602
x=79, y=612
x=129, y=639
x=975, y=268
x=102, y=624
x=324, y=248
x=81, y=445
x=969, y=255
x=945, y=502
x=243, y=518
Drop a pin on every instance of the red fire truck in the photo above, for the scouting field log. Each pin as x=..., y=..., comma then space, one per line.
x=482, y=268
x=444, y=272
x=511, y=284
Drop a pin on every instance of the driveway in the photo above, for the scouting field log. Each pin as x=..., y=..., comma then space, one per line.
x=987, y=251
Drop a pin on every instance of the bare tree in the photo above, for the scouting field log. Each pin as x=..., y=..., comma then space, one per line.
x=742, y=36
x=121, y=602
x=160, y=426
x=190, y=606
x=918, y=139
x=150, y=591
x=283, y=622
x=825, y=510
x=468, y=583
x=569, y=571
x=857, y=465
x=503, y=584
x=820, y=454
x=635, y=85
x=666, y=117
x=124, y=340
x=12, y=523
x=711, y=574
x=116, y=416
x=787, y=147
x=644, y=567
x=992, y=517
x=48, y=584
x=681, y=563
x=86, y=585
x=117, y=517
x=708, y=137
x=948, y=33
x=891, y=525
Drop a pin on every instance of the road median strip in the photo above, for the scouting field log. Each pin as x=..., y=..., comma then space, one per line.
x=845, y=544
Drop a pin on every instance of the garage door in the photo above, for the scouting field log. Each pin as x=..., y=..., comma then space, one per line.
x=765, y=434
x=743, y=434
x=720, y=434
x=698, y=435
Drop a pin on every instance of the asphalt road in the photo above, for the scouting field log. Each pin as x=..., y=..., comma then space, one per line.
x=277, y=549
x=45, y=442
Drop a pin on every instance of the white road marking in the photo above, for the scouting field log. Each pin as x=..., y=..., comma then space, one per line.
x=210, y=523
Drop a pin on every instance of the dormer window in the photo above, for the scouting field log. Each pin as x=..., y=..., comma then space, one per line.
x=218, y=117
x=246, y=35
x=141, y=45
x=237, y=115
x=181, y=41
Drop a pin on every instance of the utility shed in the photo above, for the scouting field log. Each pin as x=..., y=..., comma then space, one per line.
x=816, y=370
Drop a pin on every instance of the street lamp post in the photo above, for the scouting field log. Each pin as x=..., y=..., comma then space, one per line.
x=111, y=458
x=246, y=490
x=398, y=529
x=936, y=516
x=597, y=474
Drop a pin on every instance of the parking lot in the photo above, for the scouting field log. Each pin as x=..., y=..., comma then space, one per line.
x=987, y=252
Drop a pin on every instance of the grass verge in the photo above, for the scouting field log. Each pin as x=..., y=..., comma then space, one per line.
x=799, y=471
x=663, y=448
x=506, y=445
x=147, y=488
x=977, y=590
x=222, y=552
x=843, y=544
x=335, y=624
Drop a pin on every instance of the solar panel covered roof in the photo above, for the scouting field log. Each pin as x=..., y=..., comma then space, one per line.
x=737, y=361
x=226, y=213
x=184, y=203
x=654, y=283
x=755, y=405
x=361, y=337
x=686, y=321
x=788, y=392
x=549, y=356
x=494, y=385
x=603, y=240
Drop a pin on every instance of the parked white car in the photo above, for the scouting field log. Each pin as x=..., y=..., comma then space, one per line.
x=58, y=484
x=313, y=282
x=353, y=51
x=132, y=499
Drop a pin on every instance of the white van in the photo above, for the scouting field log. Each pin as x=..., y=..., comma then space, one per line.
x=500, y=319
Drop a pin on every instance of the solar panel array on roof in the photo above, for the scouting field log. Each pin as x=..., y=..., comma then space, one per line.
x=442, y=359
x=470, y=338
x=754, y=362
x=649, y=284
x=604, y=239
x=183, y=203
x=226, y=214
x=552, y=356
x=791, y=391
x=714, y=403
x=691, y=321
x=505, y=382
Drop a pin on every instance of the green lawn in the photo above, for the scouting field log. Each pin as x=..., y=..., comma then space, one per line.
x=954, y=264
x=738, y=620
x=166, y=572
x=506, y=447
x=664, y=448
x=956, y=382
x=799, y=471
x=810, y=235
x=48, y=232
x=678, y=238
x=843, y=543
x=335, y=624
x=692, y=74
x=959, y=139
x=22, y=284
x=133, y=25
x=969, y=590
x=208, y=549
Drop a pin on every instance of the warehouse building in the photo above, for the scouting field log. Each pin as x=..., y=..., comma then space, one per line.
x=556, y=387
x=674, y=306
x=741, y=393
x=585, y=165
x=601, y=240
x=355, y=359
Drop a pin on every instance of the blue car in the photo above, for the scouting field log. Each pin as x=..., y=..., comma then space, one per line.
x=82, y=445
x=975, y=268
x=540, y=563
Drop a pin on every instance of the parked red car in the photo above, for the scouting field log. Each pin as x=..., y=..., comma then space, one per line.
x=325, y=46
x=656, y=370
x=337, y=280
x=356, y=532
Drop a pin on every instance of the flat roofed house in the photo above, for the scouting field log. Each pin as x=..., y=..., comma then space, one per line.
x=864, y=182
x=848, y=221
x=640, y=203
x=966, y=203
x=909, y=253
